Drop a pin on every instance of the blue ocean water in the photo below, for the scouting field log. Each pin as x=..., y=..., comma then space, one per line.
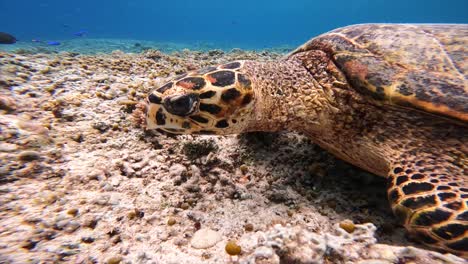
x=249, y=24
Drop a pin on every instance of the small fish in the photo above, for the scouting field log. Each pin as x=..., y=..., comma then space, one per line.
x=80, y=33
x=53, y=43
x=36, y=40
x=6, y=38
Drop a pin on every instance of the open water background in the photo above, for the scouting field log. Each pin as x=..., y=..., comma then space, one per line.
x=248, y=24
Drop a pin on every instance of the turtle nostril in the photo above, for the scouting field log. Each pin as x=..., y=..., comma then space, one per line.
x=182, y=105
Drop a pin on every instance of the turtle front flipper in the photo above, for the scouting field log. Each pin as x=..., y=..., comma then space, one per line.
x=429, y=195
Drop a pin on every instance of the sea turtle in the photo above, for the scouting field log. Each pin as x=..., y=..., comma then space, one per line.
x=389, y=98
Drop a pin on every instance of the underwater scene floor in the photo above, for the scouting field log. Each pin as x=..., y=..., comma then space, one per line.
x=103, y=45
x=82, y=182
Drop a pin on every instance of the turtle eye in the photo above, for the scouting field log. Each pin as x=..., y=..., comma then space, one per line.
x=181, y=105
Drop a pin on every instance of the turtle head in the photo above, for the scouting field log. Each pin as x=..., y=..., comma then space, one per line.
x=213, y=100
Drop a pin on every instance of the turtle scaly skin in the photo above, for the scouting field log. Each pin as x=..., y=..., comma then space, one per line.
x=391, y=99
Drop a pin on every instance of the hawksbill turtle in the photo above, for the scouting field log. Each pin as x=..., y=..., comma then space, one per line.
x=389, y=98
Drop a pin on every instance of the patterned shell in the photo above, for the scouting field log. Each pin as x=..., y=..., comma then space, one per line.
x=422, y=66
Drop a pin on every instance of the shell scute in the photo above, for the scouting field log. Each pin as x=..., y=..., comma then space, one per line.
x=424, y=67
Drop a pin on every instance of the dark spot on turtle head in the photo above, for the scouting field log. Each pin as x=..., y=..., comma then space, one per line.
x=460, y=245
x=206, y=70
x=222, y=124
x=210, y=108
x=222, y=78
x=207, y=95
x=199, y=119
x=164, y=88
x=230, y=95
x=418, y=202
x=453, y=184
x=443, y=188
x=231, y=65
x=160, y=118
x=430, y=218
x=451, y=231
x=417, y=176
x=244, y=81
x=401, y=179
x=417, y=187
x=194, y=83
x=154, y=99
x=247, y=99
x=464, y=190
x=397, y=170
x=446, y=195
x=463, y=216
x=453, y=205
